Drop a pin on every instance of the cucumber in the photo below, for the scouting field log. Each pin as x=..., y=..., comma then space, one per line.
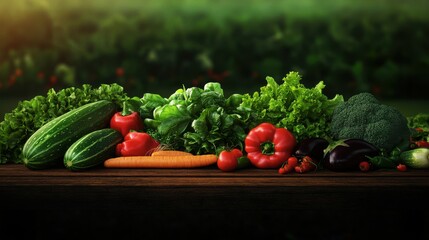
x=416, y=158
x=92, y=149
x=46, y=147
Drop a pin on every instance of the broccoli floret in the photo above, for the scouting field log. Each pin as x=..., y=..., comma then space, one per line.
x=362, y=116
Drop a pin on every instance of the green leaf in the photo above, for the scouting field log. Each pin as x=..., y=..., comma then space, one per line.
x=234, y=101
x=212, y=99
x=177, y=95
x=382, y=162
x=173, y=119
x=131, y=105
x=193, y=94
x=213, y=87
x=200, y=126
x=149, y=102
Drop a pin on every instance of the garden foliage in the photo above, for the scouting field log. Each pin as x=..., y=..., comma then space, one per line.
x=375, y=46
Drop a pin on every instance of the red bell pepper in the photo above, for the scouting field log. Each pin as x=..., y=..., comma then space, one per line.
x=126, y=123
x=136, y=144
x=268, y=146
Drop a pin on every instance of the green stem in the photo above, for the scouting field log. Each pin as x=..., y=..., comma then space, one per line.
x=267, y=148
x=125, y=109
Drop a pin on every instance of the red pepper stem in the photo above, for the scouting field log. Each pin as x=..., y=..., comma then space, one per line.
x=267, y=148
x=125, y=110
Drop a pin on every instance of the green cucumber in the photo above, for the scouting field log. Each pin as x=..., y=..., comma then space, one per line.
x=416, y=158
x=46, y=147
x=92, y=149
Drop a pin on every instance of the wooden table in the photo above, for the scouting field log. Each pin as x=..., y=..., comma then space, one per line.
x=210, y=204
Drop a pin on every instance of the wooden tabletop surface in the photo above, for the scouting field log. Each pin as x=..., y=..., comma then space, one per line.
x=19, y=175
x=248, y=203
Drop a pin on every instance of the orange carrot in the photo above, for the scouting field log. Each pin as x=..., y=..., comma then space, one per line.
x=193, y=161
x=170, y=153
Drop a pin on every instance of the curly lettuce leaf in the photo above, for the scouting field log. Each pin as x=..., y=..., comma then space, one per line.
x=306, y=112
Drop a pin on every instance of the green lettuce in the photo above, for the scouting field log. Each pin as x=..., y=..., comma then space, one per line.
x=306, y=112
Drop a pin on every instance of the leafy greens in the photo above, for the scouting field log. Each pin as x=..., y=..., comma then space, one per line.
x=306, y=112
x=203, y=120
x=197, y=120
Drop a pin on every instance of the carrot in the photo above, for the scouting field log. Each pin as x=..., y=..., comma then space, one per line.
x=193, y=161
x=170, y=153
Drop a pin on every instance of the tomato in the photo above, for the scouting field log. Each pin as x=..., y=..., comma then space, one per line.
x=401, y=167
x=228, y=159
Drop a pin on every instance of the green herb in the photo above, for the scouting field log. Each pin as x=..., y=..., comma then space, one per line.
x=198, y=120
x=30, y=115
x=306, y=112
x=419, y=126
x=420, y=120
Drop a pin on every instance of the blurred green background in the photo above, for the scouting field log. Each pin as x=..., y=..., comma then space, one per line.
x=380, y=46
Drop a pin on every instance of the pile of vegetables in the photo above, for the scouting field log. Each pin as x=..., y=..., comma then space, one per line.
x=285, y=126
x=30, y=115
x=204, y=120
x=307, y=112
x=196, y=120
x=386, y=137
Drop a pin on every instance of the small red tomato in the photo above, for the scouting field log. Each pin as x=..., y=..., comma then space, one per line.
x=401, y=167
x=422, y=144
x=292, y=161
x=289, y=165
x=286, y=169
x=227, y=160
x=364, y=166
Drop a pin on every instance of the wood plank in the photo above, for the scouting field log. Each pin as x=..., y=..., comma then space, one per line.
x=210, y=204
x=19, y=175
x=20, y=170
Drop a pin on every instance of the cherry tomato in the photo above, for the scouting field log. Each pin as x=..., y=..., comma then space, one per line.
x=401, y=167
x=364, y=166
x=228, y=160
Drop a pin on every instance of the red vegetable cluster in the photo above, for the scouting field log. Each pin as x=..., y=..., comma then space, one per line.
x=136, y=142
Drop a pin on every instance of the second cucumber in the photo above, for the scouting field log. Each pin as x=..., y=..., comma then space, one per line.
x=92, y=149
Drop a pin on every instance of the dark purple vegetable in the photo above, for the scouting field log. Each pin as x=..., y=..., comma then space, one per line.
x=346, y=155
x=313, y=147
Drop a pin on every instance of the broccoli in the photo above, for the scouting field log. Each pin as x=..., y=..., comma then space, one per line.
x=362, y=116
